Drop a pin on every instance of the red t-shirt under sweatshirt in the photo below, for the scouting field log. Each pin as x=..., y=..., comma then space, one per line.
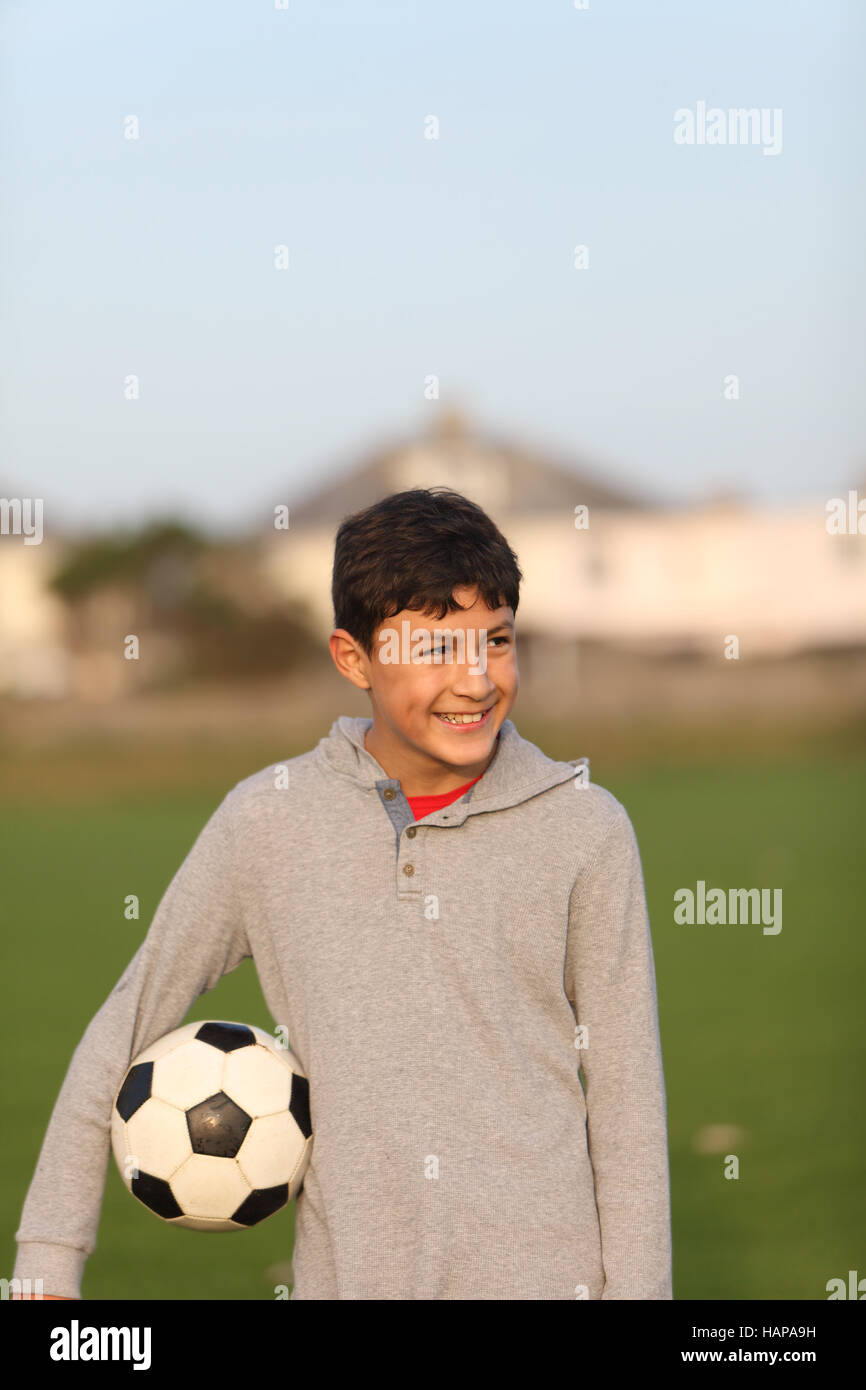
x=423, y=805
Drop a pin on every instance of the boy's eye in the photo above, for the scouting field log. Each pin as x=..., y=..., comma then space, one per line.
x=433, y=650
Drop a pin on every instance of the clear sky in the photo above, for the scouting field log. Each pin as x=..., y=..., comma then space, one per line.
x=305, y=127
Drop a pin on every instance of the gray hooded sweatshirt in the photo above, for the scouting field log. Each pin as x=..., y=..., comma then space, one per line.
x=441, y=982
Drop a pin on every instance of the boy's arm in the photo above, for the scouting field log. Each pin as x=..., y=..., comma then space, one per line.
x=196, y=936
x=610, y=980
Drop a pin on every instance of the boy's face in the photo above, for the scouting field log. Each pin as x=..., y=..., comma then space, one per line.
x=409, y=738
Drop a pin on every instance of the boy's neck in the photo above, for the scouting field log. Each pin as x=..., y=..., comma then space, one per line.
x=421, y=776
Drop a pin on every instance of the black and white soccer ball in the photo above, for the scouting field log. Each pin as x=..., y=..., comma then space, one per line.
x=211, y=1126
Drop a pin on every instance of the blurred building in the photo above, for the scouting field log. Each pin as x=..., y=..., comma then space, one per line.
x=625, y=603
x=34, y=651
x=625, y=574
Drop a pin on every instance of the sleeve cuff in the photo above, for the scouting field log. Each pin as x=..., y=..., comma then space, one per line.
x=59, y=1267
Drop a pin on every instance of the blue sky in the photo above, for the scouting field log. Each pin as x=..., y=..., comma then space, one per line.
x=305, y=127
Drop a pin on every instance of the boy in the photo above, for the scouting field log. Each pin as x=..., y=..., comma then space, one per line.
x=450, y=924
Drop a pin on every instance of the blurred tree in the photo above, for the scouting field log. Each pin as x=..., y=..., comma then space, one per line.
x=124, y=558
x=207, y=599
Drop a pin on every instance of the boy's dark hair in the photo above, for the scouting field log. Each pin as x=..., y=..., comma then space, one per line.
x=411, y=550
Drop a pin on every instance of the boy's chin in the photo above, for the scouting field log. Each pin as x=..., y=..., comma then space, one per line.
x=458, y=746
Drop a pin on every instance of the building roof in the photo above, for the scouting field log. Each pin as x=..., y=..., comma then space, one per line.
x=501, y=477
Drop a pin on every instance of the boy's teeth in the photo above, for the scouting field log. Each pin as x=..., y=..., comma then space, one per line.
x=463, y=718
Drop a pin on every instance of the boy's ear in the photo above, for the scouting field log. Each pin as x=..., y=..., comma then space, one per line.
x=348, y=658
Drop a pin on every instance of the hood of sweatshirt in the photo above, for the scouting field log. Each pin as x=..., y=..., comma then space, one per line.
x=518, y=770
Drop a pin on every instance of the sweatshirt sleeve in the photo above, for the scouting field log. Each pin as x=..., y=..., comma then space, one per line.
x=196, y=936
x=610, y=980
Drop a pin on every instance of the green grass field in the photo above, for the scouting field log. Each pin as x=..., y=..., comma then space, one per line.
x=760, y=1032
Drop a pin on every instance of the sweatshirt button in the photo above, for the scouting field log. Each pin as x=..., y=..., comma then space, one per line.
x=411, y=832
x=409, y=869
x=389, y=793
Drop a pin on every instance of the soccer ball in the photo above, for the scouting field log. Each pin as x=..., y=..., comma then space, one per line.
x=211, y=1126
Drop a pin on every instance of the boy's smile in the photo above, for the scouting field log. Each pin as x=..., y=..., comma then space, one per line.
x=412, y=736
